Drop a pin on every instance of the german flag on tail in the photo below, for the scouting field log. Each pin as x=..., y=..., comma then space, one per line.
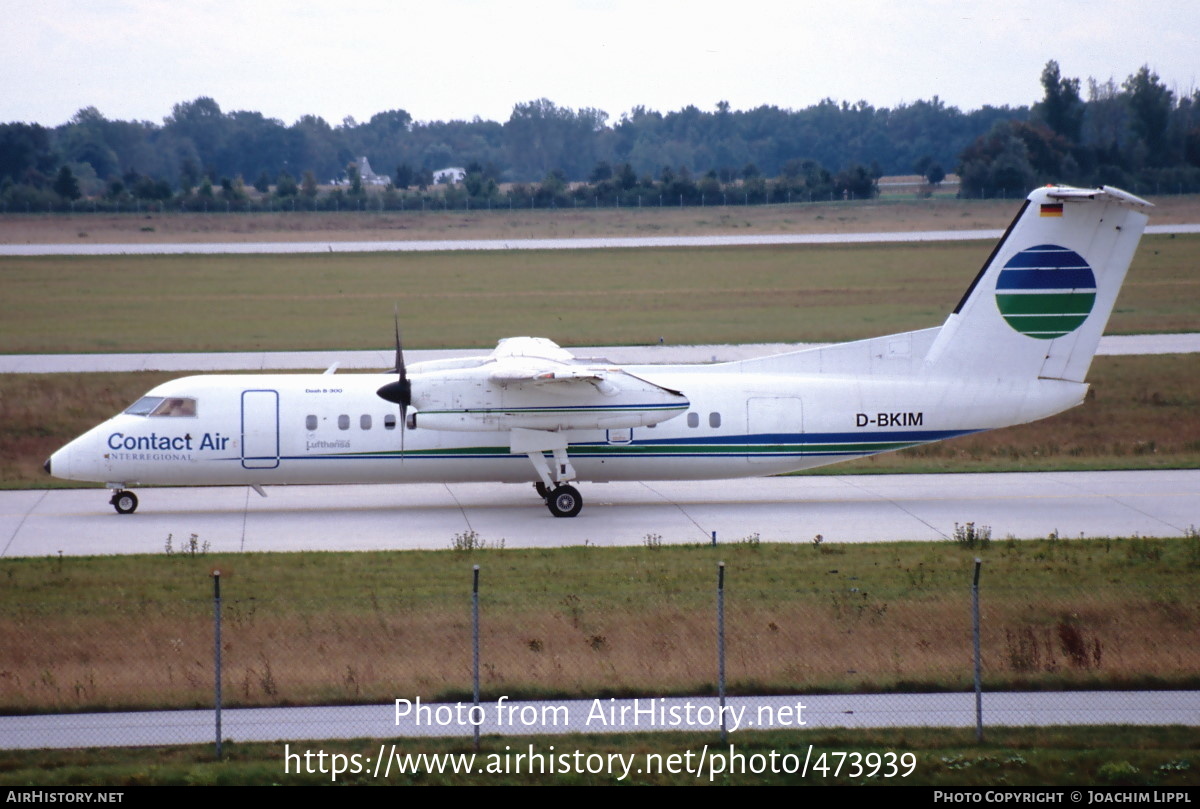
x=1052, y=209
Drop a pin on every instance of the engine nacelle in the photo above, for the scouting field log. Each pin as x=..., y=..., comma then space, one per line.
x=542, y=398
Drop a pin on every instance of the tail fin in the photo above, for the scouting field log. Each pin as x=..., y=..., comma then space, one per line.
x=1040, y=303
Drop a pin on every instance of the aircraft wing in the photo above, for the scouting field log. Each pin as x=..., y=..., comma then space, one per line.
x=507, y=374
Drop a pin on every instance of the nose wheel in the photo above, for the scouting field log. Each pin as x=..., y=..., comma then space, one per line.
x=124, y=502
x=564, y=501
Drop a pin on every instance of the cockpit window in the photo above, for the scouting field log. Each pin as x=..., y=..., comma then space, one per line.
x=175, y=406
x=144, y=406
x=163, y=406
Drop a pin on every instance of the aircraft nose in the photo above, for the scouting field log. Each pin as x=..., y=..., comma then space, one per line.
x=59, y=464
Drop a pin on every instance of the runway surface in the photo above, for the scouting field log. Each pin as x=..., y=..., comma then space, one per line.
x=581, y=716
x=521, y=244
x=843, y=508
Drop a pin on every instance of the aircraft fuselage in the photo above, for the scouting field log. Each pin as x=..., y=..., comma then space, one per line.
x=287, y=428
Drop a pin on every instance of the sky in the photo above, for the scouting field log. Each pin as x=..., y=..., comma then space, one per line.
x=461, y=59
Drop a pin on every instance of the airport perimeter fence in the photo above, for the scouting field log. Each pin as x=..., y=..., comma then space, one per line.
x=854, y=652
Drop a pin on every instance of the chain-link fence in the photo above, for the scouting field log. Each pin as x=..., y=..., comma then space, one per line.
x=652, y=636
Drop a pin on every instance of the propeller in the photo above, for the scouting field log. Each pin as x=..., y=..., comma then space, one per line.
x=400, y=391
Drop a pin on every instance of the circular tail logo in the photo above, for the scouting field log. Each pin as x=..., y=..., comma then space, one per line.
x=1046, y=291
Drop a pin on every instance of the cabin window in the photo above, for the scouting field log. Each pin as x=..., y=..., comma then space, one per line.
x=343, y=422
x=714, y=419
x=693, y=419
x=364, y=421
x=310, y=423
x=389, y=422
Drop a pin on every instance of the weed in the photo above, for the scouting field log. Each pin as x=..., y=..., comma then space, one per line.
x=1023, y=654
x=970, y=536
x=1144, y=549
x=573, y=608
x=652, y=541
x=858, y=604
x=818, y=543
x=1076, y=646
x=1180, y=765
x=1118, y=772
x=470, y=540
x=956, y=762
x=350, y=681
x=266, y=679
x=193, y=547
x=917, y=576
x=753, y=540
x=466, y=541
x=85, y=690
x=1191, y=538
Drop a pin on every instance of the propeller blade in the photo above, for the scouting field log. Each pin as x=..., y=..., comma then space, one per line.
x=405, y=386
x=400, y=391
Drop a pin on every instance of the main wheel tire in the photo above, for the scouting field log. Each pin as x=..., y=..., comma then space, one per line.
x=124, y=502
x=564, y=501
x=542, y=491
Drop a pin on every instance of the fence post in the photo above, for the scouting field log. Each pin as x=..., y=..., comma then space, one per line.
x=721, y=647
x=216, y=577
x=475, y=649
x=978, y=667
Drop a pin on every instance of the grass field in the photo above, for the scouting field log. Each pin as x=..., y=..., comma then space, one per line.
x=126, y=632
x=1152, y=757
x=588, y=297
x=895, y=212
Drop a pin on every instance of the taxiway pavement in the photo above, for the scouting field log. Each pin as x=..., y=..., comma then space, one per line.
x=591, y=716
x=841, y=508
x=603, y=242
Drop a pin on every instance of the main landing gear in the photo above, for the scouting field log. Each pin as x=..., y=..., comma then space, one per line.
x=551, y=486
x=562, y=500
x=124, y=502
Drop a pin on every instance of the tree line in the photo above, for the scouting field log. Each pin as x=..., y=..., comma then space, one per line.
x=1138, y=134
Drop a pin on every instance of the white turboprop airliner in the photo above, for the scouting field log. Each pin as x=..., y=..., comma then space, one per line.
x=1015, y=349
